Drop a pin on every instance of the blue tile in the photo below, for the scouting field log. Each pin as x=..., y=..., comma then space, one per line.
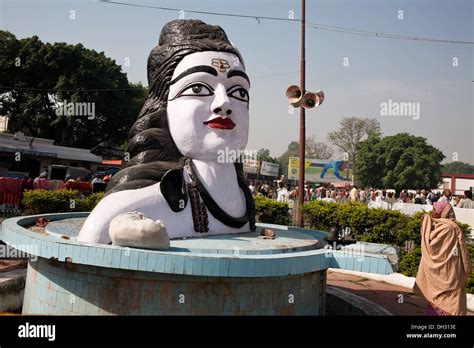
x=234, y=266
x=76, y=252
x=62, y=252
x=249, y=267
x=107, y=257
x=358, y=264
x=197, y=265
x=381, y=266
x=188, y=265
x=142, y=261
x=350, y=262
x=260, y=266
x=160, y=263
x=373, y=265
x=42, y=248
x=133, y=260
x=214, y=271
x=273, y=269
x=55, y=251
x=342, y=261
x=366, y=265
x=116, y=255
x=207, y=265
x=280, y=266
x=99, y=256
x=151, y=263
x=334, y=261
x=224, y=266
x=91, y=255
x=169, y=264
x=179, y=264
x=84, y=254
x=49, y=249
x=125, y=258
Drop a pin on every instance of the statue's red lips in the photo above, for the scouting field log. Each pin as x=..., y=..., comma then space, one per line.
x=220, y=123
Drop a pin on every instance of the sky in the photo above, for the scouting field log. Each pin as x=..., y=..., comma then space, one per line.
x=358, y=74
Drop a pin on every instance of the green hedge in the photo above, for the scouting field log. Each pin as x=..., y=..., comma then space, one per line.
x=470, y=280
x=58, y=201
x=270, y=211
x=367, y=224
x=409, y=262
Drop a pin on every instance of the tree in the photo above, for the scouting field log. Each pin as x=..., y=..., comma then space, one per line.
x=264, y=155
x=314, y=149
x=458, y=168
x=352, y=130
x=39, y=78
x=401, y=161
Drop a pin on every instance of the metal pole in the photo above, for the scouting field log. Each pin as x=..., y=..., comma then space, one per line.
x=301, y=191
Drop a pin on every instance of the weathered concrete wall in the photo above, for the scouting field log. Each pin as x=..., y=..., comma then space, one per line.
x=60, y=289
x=12, y=286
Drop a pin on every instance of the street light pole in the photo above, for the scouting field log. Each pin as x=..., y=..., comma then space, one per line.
x=301, y=192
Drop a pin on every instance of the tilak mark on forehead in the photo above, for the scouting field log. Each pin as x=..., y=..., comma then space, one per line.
x=221, y=64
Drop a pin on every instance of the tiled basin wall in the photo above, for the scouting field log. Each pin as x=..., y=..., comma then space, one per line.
x=57, y=288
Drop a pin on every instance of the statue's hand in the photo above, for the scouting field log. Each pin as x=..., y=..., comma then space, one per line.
x=133, y=229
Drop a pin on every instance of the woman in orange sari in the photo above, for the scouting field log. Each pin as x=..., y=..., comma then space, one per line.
x=445, y=264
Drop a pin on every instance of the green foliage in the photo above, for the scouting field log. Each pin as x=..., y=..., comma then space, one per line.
x=458, y=168
x=31, y=70
x=470, y=279
x=401, y=161
x=292, y=151
x=409, y=262
x=370, y=225
x=58, y=201
x=269, y=211
x=88, y=203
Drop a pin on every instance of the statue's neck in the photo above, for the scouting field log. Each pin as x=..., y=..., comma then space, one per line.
x=220, y=180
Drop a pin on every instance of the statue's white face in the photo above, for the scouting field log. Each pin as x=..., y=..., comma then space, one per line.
x=208, y=105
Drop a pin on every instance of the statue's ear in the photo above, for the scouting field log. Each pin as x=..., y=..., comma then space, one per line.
x=173, y=188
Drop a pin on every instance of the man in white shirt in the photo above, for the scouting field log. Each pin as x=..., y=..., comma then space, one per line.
x=283, y=194
x=446, y=195
x=252, y=188
x=97, y=179
x=467, y=201
x=354, y=195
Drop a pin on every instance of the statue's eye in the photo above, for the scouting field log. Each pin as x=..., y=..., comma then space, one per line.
x=197, y=89
x=240, y=94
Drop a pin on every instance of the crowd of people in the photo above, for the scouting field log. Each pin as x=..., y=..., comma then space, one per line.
x=96, y=184
x=284, y=192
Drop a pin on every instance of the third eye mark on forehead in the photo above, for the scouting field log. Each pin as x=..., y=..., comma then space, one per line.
x=209, y=70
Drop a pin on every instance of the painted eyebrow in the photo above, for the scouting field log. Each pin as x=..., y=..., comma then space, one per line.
x=195, y=69
x=238, y=73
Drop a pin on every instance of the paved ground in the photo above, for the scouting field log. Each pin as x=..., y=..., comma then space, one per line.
x=396, y=299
